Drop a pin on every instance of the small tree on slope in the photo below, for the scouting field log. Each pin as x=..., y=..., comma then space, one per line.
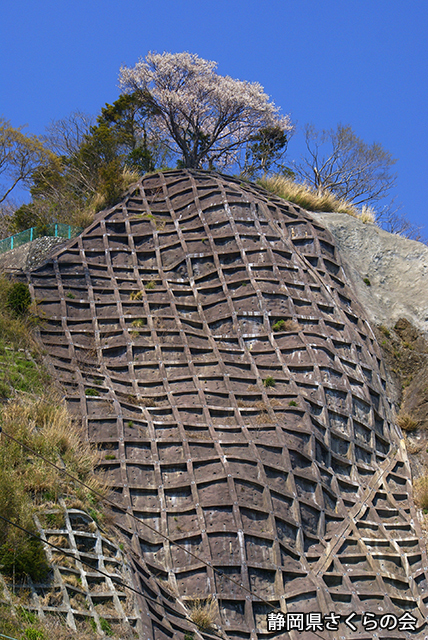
x=206, y=118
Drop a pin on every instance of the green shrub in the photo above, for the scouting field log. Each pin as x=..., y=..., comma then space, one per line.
x=27, y=616
x=22, y=555
x=106, y=627
x=385, y=331
x=269, y=382
x=139, y=323
x=91, y=392
x=19, y=298
x=34, y=634
x=279, y=326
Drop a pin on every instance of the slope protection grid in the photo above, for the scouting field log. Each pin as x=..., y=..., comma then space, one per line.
x=207, y=335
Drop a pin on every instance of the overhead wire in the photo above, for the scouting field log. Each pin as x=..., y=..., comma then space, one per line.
x=129, y=513
x=113, y=578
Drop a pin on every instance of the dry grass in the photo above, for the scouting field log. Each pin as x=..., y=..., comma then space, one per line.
x=45, y=425
x=263, y=418
x=306, y=197
x=285, y=325
x=59, y=541
x=71, y=579
x=406, y=422
x=420, y=492
x=311, y=200
x=136, y=295
x=368, y=214
x=203, y=613
x=28, y=483
x=84, y=217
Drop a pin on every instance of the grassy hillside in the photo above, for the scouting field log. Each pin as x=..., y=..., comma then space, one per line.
x=32, y=413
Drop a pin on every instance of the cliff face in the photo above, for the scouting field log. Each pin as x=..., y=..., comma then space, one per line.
x=389, y=273
x=211, y=341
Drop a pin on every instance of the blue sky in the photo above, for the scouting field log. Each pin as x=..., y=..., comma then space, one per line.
x=356, y=62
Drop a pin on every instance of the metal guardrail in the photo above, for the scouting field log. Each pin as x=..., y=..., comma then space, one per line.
x=58, y=230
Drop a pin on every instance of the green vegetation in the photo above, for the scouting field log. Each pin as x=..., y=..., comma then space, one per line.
x=136, y=295
x=91, y=392
x=106, y=627
x=285, y=325
x=293, y=403
x=150, y=285
x=20, y=364
x=33, y=414
x=27, y=482
x=139, y=323
x=279, y=325
x=20, y=155
x=26, y=625
x=19, y=298
x=386, y=332
x=269, y=382
x=367, y=282
x=34, y=634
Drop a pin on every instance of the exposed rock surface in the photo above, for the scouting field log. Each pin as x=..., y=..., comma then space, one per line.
x=30, y=254
x=397, y=269
x=211, y=341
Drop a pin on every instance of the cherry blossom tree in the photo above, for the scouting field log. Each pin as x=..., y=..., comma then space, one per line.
x=206, y=118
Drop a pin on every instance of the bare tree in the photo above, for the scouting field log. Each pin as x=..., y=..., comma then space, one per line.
x=340, y=162
x=205, y=118
x=20, y=155
x=65, y=136
x=392, y=219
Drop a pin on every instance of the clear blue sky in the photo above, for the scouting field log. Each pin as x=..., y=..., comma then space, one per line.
x=358, y=62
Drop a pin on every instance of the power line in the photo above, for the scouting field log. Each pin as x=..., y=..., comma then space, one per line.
x=103, y=573
x=71, y=555
x=117, y=580
x=129, y=513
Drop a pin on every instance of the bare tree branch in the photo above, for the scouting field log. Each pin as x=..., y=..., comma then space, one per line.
x=340, y=162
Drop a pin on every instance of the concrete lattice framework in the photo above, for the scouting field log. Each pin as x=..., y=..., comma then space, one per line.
x=265, y=448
